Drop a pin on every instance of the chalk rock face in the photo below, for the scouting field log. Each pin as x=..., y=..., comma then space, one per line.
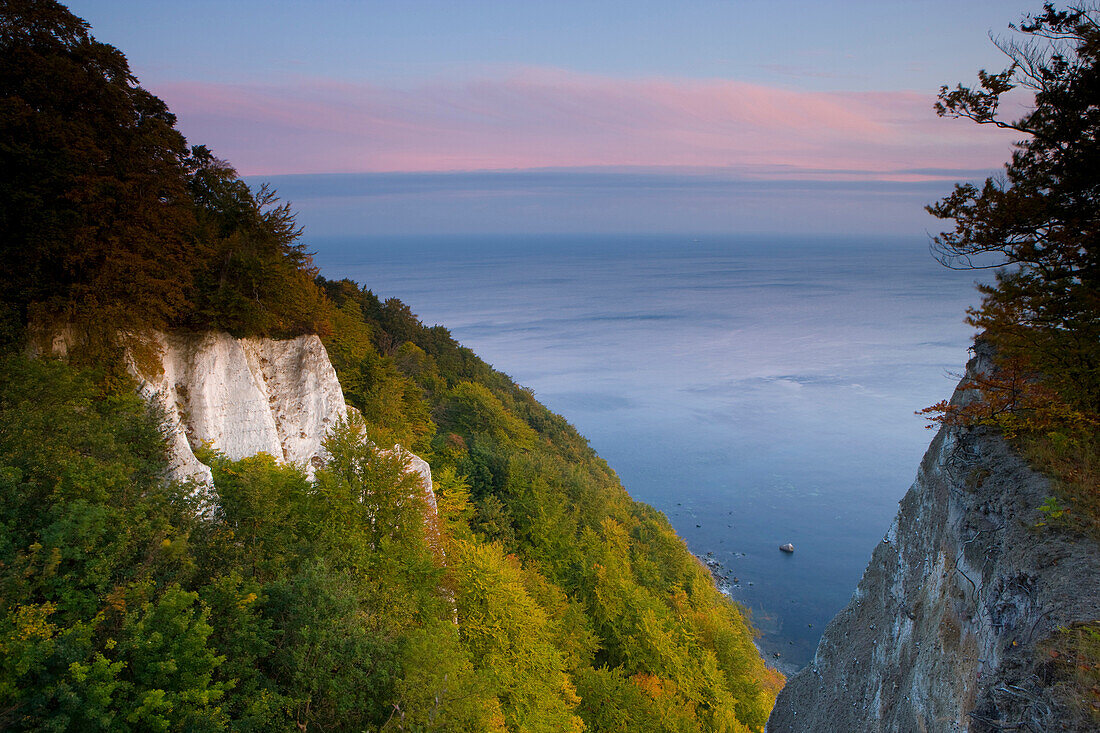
x=247, y=396
x=243, y=397
x=942, y=633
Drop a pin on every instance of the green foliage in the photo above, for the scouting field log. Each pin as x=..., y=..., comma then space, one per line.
x=163, y=645
x=510, y=637
x=254, y=277
x=335, y=667
x=615, y=703
x=598, y=584
x=1052, y=508
x=475, y=413
x=392, y=402
x=541, y=598
x=440, y=690
x=331, y=604
x=99, y=630
x=295, y=606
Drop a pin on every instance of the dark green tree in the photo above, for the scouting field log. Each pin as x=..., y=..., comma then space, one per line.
x=253, y=275
x=1042, y=218
x=109, y=222
x=94, y=208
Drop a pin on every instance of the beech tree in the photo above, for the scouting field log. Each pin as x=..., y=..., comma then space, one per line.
x=109, y=221
x=1040, y=221
x=94, y=208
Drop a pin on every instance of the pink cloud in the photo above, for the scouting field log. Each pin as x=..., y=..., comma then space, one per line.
x=537, y=118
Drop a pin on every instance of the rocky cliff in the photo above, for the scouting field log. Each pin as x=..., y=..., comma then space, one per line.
x=944, y=631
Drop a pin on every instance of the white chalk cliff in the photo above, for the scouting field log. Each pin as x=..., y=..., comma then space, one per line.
x=247, y=396
x=243, y=397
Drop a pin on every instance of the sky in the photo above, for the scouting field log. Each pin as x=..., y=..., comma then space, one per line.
x=416, y=117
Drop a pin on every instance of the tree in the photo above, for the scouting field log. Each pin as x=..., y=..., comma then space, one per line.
x=252, y=275
x=1042, y=218
x=94, y=208
x=109, y=222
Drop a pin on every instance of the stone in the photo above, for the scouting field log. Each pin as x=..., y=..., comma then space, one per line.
x=242, y=397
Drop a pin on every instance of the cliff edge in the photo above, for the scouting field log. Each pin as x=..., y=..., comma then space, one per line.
x=943, y=631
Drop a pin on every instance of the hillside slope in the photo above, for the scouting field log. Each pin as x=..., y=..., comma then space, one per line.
x=311, y=595
x=535, y=596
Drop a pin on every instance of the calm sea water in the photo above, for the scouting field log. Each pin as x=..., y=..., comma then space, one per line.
x=756, y=390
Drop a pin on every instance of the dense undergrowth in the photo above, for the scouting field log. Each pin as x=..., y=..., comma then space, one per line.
x=540, y=598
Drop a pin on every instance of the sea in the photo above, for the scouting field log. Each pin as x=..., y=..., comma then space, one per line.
x=758, y=390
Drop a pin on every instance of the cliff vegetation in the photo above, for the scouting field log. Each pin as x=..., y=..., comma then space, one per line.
x=1038, y=226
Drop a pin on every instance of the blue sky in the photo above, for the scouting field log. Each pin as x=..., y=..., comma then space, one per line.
x=782, y=117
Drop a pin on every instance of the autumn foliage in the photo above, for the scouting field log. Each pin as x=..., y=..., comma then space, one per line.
x=1014, y=398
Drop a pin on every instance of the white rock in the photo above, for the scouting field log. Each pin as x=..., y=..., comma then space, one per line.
x=238, y=396
x=247, y=396
x=243, y=397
